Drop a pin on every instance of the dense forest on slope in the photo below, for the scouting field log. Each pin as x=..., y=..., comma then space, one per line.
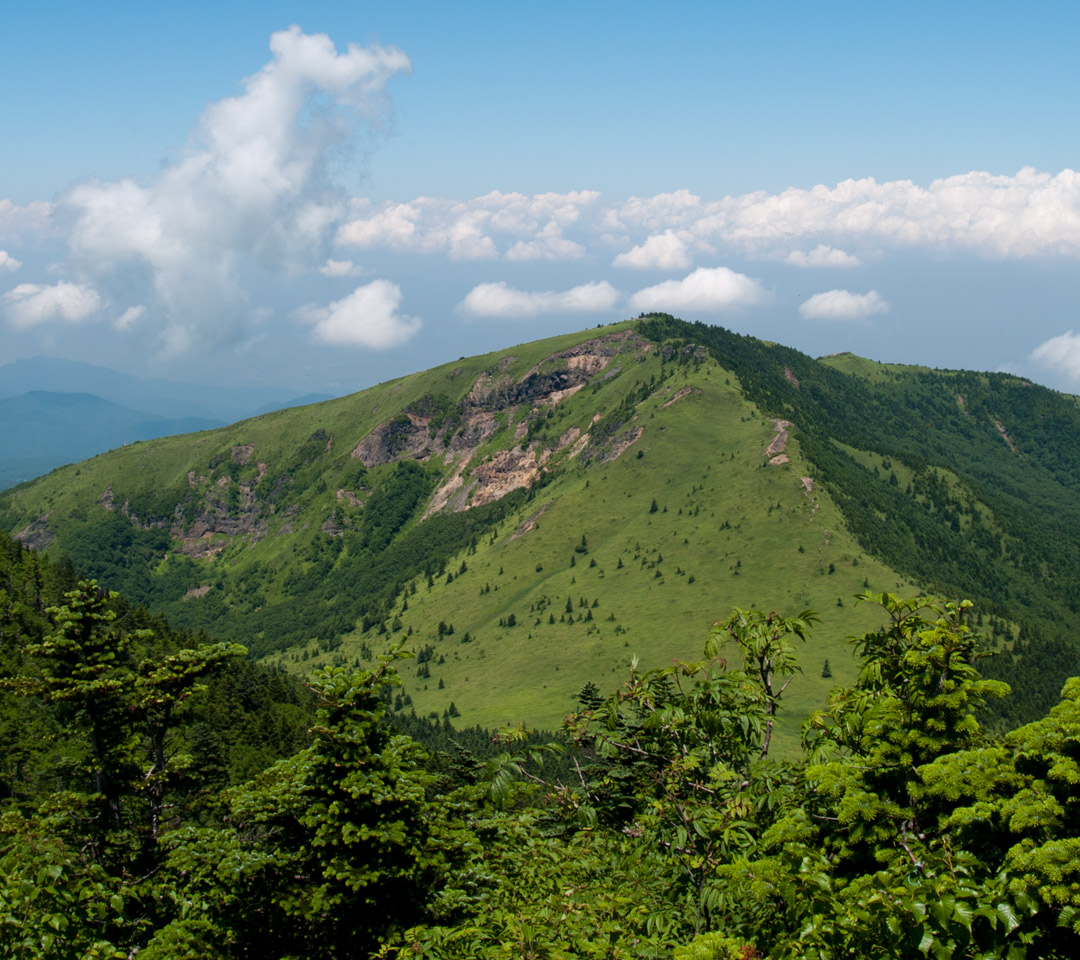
x=903, y=829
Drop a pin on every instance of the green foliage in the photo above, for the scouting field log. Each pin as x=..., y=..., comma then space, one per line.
x=667, y=829
x=328, y=853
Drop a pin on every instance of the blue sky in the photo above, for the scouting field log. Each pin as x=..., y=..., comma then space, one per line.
x=323, y=196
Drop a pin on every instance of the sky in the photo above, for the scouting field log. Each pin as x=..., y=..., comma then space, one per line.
x=323, y=196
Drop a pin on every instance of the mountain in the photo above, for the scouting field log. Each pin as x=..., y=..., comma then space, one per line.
x=41, y=430
x=534, y=519
x=162, y=398
x=306, y=400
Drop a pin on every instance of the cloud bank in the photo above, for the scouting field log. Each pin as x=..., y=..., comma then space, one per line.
x=821, y=256
x=1025, y=215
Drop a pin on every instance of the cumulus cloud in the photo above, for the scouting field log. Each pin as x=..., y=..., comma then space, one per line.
x=528, y=227
x=1024, y=215
x=549, y=245
x=8, y=264
x=1028, y=214
x=501, y=300
x=1060, y=354
x=367, y=317
x=339, y=268
x=30, y=304
x=253, y=184
x=821, y=256
x=707, y=289
x=843, y=305
x=661, y=251
x=680, y=208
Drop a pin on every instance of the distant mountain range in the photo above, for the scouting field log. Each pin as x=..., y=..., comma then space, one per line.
x=56, y=411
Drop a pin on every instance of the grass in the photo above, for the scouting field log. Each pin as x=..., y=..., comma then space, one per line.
x=723, y=519
x=728, y=531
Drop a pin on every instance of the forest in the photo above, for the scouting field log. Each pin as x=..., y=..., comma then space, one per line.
x=165, y=798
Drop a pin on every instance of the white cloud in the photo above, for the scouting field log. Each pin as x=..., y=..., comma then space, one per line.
x=533, y=226
x=1028, y=214
x=1025, y=215
x=500, y=300
x=367, y=317
x=843, y=305
x=8, y=263
x=680, y=208
x=821, y=256
x=661, y=251
x=549, y=245
x=707, y=289
x=1060, y=354
x=129, y=318
x=253, y=185
x=26, y=223
x=339, y=268
x=30, y=304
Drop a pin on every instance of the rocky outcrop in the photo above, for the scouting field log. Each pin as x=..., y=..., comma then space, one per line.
x=36, y=535
x=405, y=437
x=432, y=426
x=502, y=472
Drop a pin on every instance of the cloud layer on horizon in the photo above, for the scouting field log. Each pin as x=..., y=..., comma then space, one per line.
x=1025, y=215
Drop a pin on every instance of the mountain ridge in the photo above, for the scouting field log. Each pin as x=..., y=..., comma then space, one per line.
x=585, y=463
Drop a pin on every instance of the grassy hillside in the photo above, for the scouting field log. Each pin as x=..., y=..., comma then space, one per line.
x=531, y=520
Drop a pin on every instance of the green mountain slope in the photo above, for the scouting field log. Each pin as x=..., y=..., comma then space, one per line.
x=533, y=519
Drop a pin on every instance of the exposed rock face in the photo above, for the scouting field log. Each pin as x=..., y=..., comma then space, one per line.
x=530, y=522
x=405, y=437
x=427, y=428
x=779, y=442
x=227, y=509
x=36, y=535
x=504, y=471
x=684, y=392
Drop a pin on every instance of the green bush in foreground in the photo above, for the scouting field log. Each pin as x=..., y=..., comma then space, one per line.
x=904, y=831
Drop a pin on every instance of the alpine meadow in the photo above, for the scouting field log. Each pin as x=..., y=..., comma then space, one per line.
x=429, y=574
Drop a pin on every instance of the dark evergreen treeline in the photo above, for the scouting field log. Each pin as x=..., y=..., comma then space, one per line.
x=247, y=717
x=1001, y=524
